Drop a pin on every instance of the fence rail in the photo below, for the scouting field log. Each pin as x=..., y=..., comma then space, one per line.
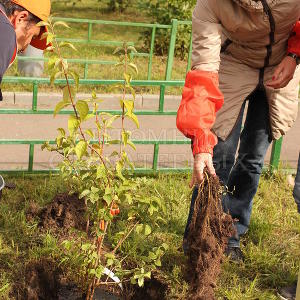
x=274, y=162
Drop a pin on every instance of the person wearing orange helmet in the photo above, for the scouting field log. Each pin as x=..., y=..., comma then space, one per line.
x=18, y=29
x=244, y=52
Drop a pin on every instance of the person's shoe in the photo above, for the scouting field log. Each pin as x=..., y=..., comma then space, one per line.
x=234, y=254
x=288, y=292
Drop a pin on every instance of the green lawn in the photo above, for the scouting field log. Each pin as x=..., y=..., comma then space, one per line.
x=271, y=247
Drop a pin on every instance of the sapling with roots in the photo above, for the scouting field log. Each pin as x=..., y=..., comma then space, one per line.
x=119, y=221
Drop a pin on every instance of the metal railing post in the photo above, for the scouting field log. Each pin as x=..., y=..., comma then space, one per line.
x=275, y=155
x=86, y=70
x=169, y=61
x=190, y=54
x=155, y=157
x=31, y=155
x=90, y=30
x=171, y=49
x=151, y=52
x=34, y=96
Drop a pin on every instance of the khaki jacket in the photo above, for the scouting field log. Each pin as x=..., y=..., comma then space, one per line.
x=252, y=38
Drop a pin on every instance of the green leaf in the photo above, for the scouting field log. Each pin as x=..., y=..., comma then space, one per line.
x=68, y=45
x=100, y=171
x=59, y=141
x=147, y=229
x=129, y=105
x=139, y=228
x=119, y=168
x=73, y=124
x=131, y=144
x=84, y=193
x=134, y=118
x=96, y=148
x=80, y=149
x=90, y=133
x=141, y=281
x=118, y=49
x=54, y=76
x=52, y=61
x=132, y=280
x=75, y=77
x=46, y=146
x=4, y=288
x=66, y=93
x=127, y=77
x=158, y=263
x=89, y=116
x=61, y=23
x=109, y=262
x=59, y=106
x=131, y=48
x=50, y=38
x=110, y=121
x=61, y=131
x=165, y=246
x=107, y=199
x=133, y=67
x=85, y=247
x=128, y=199
x=83, y=109
x=152, y=255
x=125, y=137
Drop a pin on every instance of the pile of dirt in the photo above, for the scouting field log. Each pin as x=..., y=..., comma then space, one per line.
x=64, y=212
x=44, y=281
x=207, y=240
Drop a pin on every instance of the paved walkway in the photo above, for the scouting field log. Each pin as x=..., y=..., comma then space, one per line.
x=151, y=128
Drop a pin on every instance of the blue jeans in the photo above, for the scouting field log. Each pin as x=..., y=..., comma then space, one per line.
x=296, y=193
x=241, y=174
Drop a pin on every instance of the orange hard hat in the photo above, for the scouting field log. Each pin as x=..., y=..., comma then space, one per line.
x=41, y=9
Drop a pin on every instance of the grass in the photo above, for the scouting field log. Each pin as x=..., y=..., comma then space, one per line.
x=271, y=247
x=106, y=33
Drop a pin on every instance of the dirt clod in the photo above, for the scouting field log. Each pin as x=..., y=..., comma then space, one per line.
x=207, y=240
x=64, y=212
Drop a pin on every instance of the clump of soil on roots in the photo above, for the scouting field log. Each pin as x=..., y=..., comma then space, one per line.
x=207, y=239
x=64, y=212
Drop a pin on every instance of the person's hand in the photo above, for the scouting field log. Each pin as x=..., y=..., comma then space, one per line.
x=283, y=73
x=201, y=161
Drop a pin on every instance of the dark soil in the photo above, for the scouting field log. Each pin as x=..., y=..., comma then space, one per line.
x=44, y=281
x=154, y=289
x=64, y=212
x=207, y=240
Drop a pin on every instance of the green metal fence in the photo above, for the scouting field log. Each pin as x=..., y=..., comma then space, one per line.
x=92, y=42
x=168, y=82
x=160, y=112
